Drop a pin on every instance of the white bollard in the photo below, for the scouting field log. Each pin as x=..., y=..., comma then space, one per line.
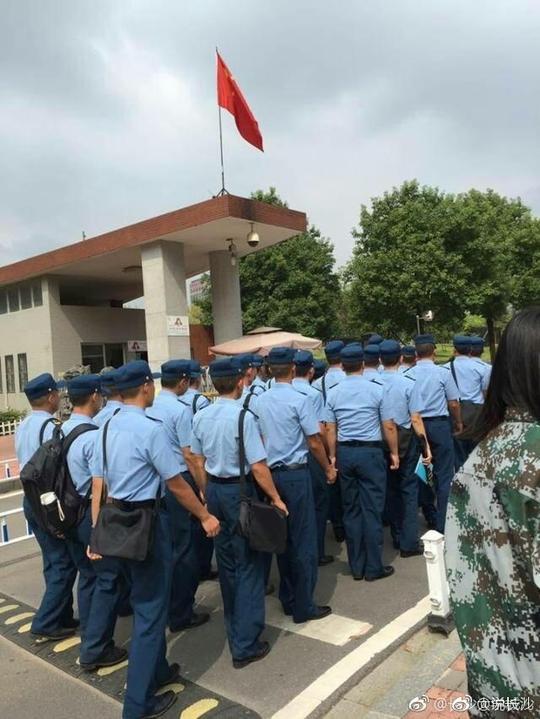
x=440, y=618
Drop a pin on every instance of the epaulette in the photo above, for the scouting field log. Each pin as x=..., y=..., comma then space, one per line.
x=376, y=381
x=318, y=390
x=444, y=367
x=154, y=419
x=408, y=376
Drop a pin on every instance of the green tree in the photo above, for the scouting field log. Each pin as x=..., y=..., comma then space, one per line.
x=291, y=285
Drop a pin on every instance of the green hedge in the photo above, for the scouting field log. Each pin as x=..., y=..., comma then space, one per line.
x=9, y=415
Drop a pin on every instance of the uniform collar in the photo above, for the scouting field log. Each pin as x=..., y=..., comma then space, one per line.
x=81, y=418
x=390, y=371
x=425, y=361
x=41, y=413
x=224, y=400
x=333, y=369
x=168, y=394
x=303, y=380
x=281, y=385
x=134, y=410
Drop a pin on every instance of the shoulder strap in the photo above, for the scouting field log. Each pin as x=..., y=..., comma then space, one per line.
x=453, y=370
x=43, y=427
x=76, y=432
x=323, y=386
x=242, y=452
x=194, y=402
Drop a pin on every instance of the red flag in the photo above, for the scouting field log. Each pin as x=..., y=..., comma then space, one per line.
x=230, y=98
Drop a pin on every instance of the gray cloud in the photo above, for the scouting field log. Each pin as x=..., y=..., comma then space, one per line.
x=109, y=111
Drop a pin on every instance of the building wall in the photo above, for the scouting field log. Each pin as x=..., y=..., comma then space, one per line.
x=25, y=332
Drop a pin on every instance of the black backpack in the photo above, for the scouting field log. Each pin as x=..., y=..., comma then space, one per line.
x=47, y=471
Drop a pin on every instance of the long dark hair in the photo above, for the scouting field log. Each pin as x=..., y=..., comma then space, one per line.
x=515, y=378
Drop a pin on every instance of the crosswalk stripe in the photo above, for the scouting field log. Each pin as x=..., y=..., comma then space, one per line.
x=8, y=608
x=25, y=628
x=105, y=671
x=66, y=644
x=199, y=709
x=176, y=688
x=18, y=617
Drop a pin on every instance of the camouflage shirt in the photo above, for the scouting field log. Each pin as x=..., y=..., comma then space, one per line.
x=493, y=564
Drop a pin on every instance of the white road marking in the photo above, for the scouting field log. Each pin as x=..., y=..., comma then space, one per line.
x=66, y=644
x=8, y=608
x=324, y=686
x=105, y=671
x=19, y=617
x=333, y=629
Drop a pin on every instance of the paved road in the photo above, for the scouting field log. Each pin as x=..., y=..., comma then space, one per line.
x=307, y=663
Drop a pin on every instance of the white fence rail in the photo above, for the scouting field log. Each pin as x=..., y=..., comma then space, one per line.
x=7, y=428
x=4, y=528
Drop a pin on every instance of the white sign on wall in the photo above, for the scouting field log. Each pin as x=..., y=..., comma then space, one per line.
x=137, y=346
x=177, y=326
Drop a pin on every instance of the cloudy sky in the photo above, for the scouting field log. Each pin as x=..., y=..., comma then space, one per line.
x=109, y=112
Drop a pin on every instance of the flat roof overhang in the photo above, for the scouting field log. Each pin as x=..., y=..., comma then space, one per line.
x=202, y=228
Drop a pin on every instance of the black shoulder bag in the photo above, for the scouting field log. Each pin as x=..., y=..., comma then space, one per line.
x=121, y=532
x=264, y=526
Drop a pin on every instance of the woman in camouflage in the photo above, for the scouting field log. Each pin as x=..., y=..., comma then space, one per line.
x=493, y=535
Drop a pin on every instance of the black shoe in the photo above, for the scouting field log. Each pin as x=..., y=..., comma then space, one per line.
x=109, y=658
x=71, y=624
x=386, y=572
x=395, y=543
x=339, y=534
x=174, y=675
x=411, y=553
x=270, y=589
x=62, y=633
x=325, y=559
x=260, y=654
x=357, y=577
x=196, y=620
x=210, y=577
x=320, y=613
x=161, y=705
x=125, y=612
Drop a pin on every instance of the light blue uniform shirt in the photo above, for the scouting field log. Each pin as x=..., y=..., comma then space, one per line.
x=404, y=367
x=253, y=390
x=79, y=457
x=302, y=385
x=258, y=382
x=401, y=392
x=139, y=456
x=176, y=419
x=286, y=418
x=436, y=387
x=371, y=373
x=470, y=378
x=189, y=396
x=215, y=437
x=358, y=406
x=332, y=377
x=110, y=408
x=27, y=435
x=486, y=367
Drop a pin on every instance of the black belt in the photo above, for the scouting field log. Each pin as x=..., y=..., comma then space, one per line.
x=226, y=480
x=280, y=467
x=360, y=443
x=131, y=506
x=441, y=416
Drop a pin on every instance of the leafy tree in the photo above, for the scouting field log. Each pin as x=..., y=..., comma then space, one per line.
x=474, y=325
x=202, y=307
x=291, y=285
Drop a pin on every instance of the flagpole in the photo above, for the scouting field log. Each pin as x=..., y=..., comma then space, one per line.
x=223, y=191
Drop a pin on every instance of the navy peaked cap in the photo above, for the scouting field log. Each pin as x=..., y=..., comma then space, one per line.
x=225, y=368
x=333, y=348
x=41, y=385
x=281, y=355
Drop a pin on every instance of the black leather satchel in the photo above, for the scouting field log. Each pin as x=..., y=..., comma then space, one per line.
x=264, y=526
x=124, y=530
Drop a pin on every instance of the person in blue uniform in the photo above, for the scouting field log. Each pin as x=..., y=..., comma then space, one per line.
x=193, y=395
x=214, y=444
x=408, y=358
x=260, y=379
x=470, y=379
x=304, y=370
x=477, y=350
x=333, y=376
x=176, y=418
x=112, y=395
x=98, y=584
x=290, y=430
x=54, y=616
x=319, y=368
x=402, y=488
x=250, y=390
x=357, y=415
x=439, y=396
x=139, y=461
x=372, y=360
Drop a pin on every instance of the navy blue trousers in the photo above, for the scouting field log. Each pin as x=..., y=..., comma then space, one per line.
x=402, y=499
x=363, y=489
x=60, y=558
x=97, y=635
x=321, y=497
x=441, y=441
x=150, y=590
x=335, y=505
x=298, y=566
x=185, y=562
x=241, y=573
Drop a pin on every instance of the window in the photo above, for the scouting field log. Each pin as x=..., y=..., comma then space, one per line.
x=23, y=371
x=10, y=375
x=93, y=355
x=114, y=355
x=25, y=292
x=3, y=302
x=37, y=294
x=13, y=297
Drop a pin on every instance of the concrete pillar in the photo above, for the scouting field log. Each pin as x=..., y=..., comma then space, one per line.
x=164, y=281
x=226, y=307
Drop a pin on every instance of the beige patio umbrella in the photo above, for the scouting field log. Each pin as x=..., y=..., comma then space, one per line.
x=262, y=343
